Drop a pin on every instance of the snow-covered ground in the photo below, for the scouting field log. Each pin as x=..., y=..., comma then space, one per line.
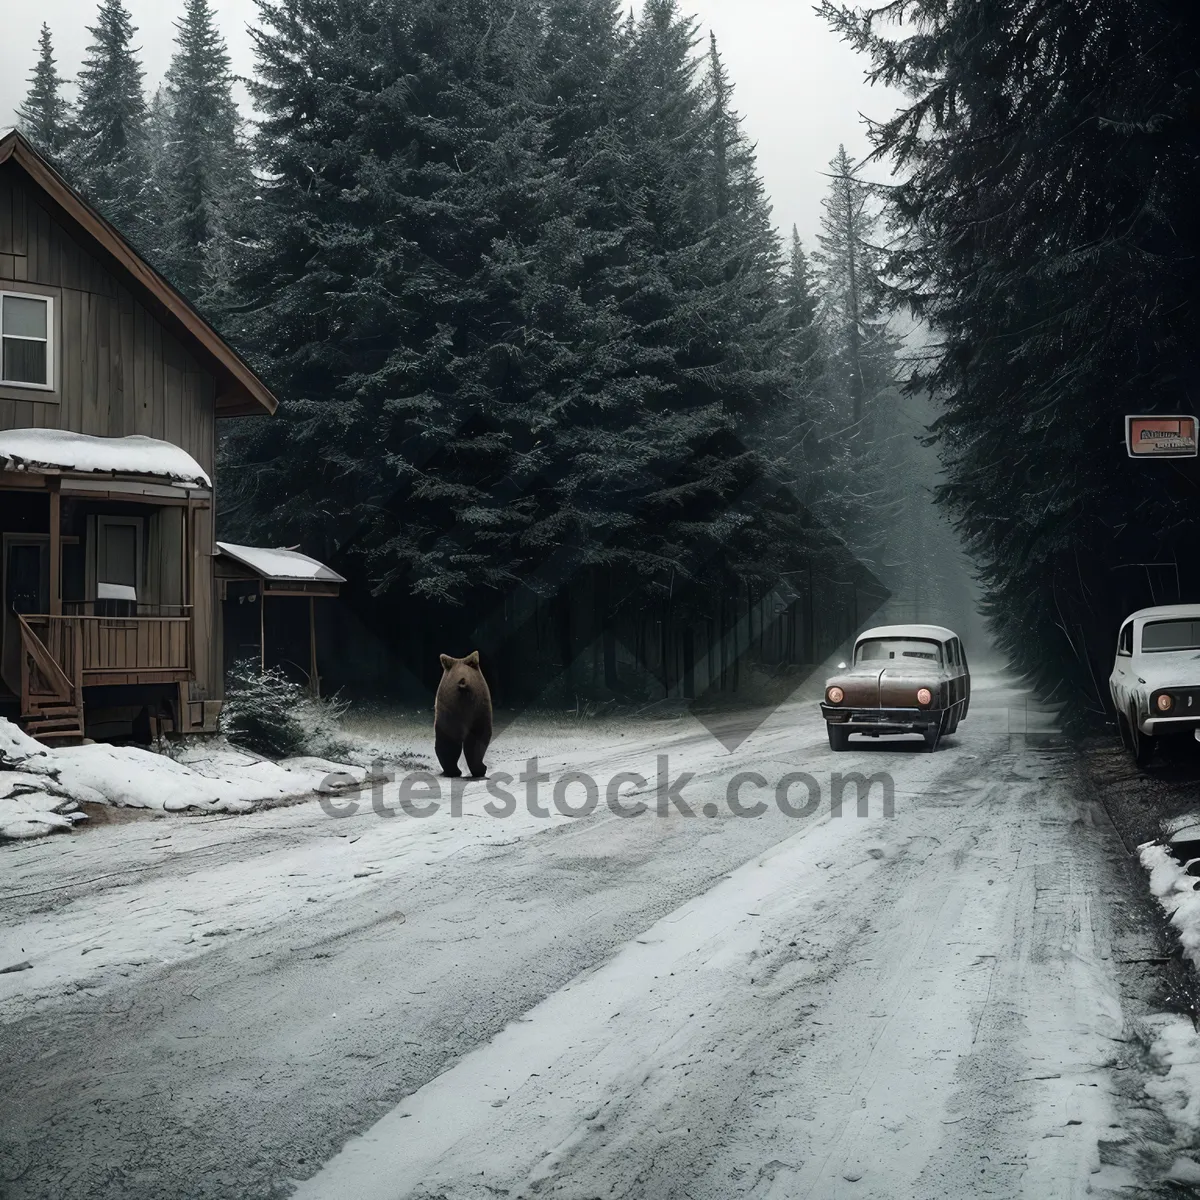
x=42, y=788
x=707, y=1006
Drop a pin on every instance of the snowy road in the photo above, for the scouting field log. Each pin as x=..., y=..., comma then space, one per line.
x=468, y=1006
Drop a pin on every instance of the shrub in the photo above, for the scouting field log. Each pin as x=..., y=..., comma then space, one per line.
x=267, y=713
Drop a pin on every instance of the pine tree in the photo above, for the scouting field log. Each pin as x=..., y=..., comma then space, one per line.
x=107, y=158
x=859, y=368
x=850, y=266
x=155, y=236
x=202, y=170
x=45, y=117
x=798, y=294
x=396, y=150
x=513, y=274
x=809, y=414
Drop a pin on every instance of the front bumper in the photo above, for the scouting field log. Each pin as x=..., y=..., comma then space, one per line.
x=1157, y=726
x=882, y=720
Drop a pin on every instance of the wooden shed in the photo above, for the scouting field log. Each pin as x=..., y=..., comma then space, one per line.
x=268, y=602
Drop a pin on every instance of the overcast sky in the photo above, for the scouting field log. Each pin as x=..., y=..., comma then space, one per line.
x=800, y=90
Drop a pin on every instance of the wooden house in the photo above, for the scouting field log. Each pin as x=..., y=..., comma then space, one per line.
x=111, y=386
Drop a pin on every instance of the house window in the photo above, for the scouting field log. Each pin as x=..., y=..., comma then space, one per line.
x=118, y=565
x=26, y=356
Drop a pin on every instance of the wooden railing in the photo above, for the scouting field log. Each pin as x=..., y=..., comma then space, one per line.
x=51, y=660
x=87, y=608
x=74, y=651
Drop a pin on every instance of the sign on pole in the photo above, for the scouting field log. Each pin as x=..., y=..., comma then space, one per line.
x=1161, y=437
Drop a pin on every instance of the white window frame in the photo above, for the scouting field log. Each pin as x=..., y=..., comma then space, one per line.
x=48, y=301
x=1126, y=628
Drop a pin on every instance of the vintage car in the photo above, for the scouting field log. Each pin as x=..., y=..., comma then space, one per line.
x=1155, y=680
x=903, y=679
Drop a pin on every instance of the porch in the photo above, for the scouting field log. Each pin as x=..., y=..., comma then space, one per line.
x=101, y=577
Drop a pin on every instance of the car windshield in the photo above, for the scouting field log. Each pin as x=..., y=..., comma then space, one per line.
x=1158, y=636
x=882, y=649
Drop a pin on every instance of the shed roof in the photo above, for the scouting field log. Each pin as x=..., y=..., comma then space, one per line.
x=239, y=391
x=284, y=565
x=82, y=453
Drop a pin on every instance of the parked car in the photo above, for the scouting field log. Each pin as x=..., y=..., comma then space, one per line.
x=903, y=679
x=1155, y=680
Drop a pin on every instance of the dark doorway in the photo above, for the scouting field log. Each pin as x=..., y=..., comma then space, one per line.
x=26, y=590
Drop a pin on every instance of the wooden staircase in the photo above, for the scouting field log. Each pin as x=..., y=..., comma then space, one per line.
x=51, y=683
x=55, y=723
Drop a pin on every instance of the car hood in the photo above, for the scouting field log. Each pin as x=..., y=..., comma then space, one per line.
x=1171, y=668
x=892, y=685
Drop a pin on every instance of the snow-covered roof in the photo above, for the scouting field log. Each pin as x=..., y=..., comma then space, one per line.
x=938, y=632
x=63, y=450
x=288, y=565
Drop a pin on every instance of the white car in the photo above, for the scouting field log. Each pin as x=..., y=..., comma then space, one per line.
x=1155, y=680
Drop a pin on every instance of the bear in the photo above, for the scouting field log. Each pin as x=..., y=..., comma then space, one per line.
x=462, y=716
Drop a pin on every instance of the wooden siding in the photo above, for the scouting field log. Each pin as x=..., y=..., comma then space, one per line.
x=120, y=371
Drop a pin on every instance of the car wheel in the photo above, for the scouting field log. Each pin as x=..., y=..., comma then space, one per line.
x=1142, y=744
x=933, y=735
x=839, y=736
x=953, y=725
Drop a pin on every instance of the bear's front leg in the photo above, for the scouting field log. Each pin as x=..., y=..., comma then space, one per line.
x=447, y=750
x=474, y=748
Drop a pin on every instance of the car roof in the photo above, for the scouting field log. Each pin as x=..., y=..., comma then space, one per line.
x=937, y=632
x=1165, y=610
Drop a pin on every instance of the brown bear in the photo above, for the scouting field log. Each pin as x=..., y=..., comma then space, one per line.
x=462, y=716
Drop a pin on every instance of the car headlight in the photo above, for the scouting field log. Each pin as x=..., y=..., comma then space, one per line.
x=1165, y=702
x=924, y=696
x=835, y=695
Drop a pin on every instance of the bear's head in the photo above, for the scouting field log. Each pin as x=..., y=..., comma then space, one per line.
x=462, y=674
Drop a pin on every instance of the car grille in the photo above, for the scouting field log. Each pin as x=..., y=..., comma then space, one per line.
x=1187, y=703
x=883, y=716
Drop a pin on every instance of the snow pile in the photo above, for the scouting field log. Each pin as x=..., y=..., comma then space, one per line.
x=33, y=449
x=1176, y=1048
x=41, y=788
x=32, y=802
x=1173, y=887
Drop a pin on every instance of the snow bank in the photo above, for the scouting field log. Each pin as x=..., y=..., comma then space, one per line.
x=32, y=802
x=1176, y=1049
x=41, y=788
x=1172, y=886
x=33, y=449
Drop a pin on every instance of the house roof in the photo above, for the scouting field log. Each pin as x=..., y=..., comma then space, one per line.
x=81, y=453
x=239, y=391
x=285, y=565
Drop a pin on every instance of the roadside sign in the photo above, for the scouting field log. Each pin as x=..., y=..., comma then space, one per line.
x=1161, y=437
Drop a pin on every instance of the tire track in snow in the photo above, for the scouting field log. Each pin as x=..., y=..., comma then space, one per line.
x=921, y=1019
